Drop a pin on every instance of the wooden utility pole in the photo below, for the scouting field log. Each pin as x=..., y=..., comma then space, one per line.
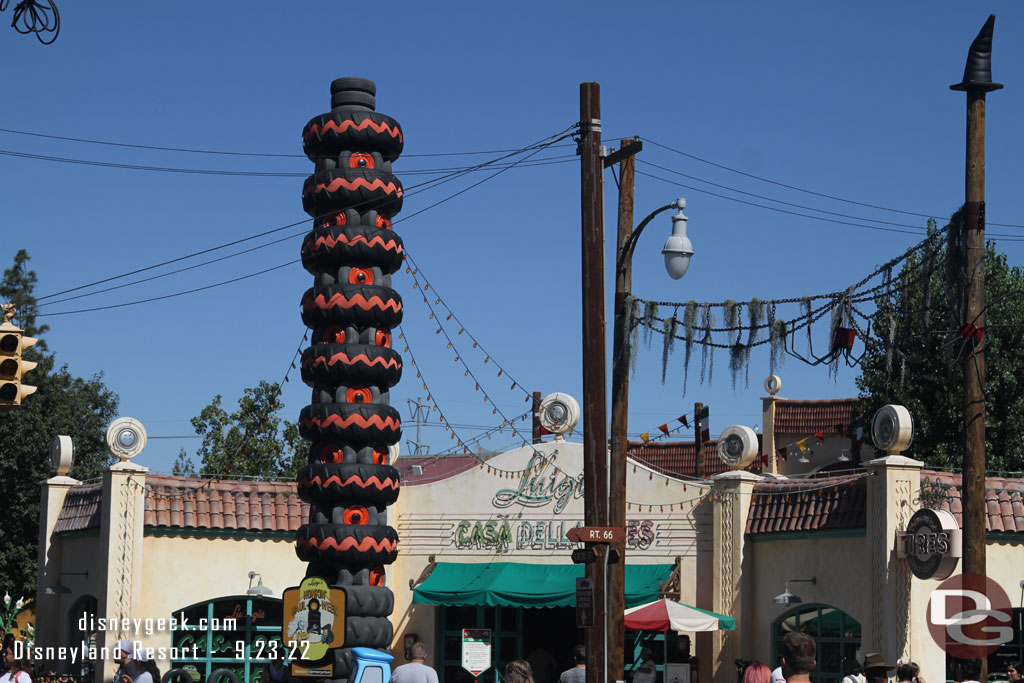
x=595, y=436
x=977, y=81
x=620, y=410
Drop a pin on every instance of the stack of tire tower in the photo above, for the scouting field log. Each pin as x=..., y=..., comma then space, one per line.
x=350, y=365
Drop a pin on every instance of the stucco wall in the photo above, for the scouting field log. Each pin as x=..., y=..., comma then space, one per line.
x=481, y=515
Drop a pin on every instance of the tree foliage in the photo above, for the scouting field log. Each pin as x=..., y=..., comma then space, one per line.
x=253, y=441
x=63, y=404
x=918, y=360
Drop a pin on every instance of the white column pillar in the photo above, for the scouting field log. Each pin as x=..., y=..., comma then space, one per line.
x=121, y=529
x=731, y=497
x=897, y=626
x=49, y=615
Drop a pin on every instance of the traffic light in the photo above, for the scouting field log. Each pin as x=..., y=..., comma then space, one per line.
x=12, y=366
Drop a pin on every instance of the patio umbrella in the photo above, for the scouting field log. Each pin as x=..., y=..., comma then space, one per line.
x=664, y=615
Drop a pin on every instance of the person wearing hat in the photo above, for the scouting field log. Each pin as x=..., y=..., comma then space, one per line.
x=123, y=651
x=875, y=668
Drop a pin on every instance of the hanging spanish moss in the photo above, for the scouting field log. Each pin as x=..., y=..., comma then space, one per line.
x=738, y=354
x=755, y=314
x=690, y=325
x=630, y=331
x=671, y=327
x=777, y=331
x=650, y=316
x=707, y=354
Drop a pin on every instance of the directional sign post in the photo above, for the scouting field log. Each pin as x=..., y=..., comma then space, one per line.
x=584, y=603
x=476, y=650
x=596, y=534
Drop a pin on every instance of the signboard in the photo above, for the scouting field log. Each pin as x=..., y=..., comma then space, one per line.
x=596, y=534
x=932, y=544
x=584, y=556
x=314, y=669
x=314, y=618
x=584, y=603
x=476, y=650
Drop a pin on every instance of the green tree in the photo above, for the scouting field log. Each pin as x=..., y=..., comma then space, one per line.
x=63, y=404
x=253, y=441
x=921, y=367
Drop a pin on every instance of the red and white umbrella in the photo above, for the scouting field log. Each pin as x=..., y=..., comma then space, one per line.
x=665, y=615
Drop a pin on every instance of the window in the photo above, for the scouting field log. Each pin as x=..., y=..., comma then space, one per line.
x=836, y=636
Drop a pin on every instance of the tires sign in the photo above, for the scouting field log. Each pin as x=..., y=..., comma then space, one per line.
x=932, y=544
x=476, y=650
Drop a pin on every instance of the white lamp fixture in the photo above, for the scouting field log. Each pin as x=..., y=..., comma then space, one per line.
x=678, y=248
x=259, y=589
x=788, y=598
x=59, y=588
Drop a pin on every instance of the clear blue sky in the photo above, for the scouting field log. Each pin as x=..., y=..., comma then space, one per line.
x=844, y=99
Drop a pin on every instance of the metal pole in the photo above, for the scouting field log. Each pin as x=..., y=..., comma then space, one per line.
x=620, y=413
x=595, y=440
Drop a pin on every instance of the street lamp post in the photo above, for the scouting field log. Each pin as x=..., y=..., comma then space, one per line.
x=677, y=251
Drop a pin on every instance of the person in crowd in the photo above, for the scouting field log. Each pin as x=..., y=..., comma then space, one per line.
x=969, y=670
x=777, y=676
x=645, y=671
x=16, y=669
x=799, y=657
x=578, y=673
x=853, y=672
x=416, y=671
x=149, y=664
x=908, y=672
x=757, y=673
x=518, y=671
x=875, y=668
x=276, y=672
x=124, y=652
x=1014, y=671
x=137, y=667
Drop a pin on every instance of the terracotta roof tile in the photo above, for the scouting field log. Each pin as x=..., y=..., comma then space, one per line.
x=81, y=509
x=809, y=417
x=1004, y=499
x=677, y=457
x=829, y=502
x=224, y=504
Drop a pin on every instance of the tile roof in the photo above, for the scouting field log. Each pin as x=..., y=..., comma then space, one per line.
x=81, y=509
x=224, y=504
x=435, y=467
x=815, y=504
x=677, y=457
x=808, y=417
x=1004, y=499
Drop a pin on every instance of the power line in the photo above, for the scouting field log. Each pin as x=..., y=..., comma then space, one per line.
x=801, y=189
x=412, y=190
x=267, y=270
x=226, y=153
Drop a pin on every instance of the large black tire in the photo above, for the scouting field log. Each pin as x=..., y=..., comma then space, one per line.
x=352, y=423
x=346, y=512
x=353, y=484
x=357, y=188
x=345, y=577
x=368, y=632
x=353, y=83
x=346, y=544
x=358, y=131
x=176, y=676
x=368, y=601
x=351, y=365
x=352, y=245
x=325, y=452
x=359, y=305
x=353, y=99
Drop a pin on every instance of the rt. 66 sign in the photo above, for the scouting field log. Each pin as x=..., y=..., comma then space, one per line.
x=932, y=544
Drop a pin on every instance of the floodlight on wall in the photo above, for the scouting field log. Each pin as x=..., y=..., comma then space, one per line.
x=59, y=588
x=259, y=589
x=788, y=598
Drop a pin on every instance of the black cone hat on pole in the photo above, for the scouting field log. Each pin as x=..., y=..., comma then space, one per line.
x=978, y=72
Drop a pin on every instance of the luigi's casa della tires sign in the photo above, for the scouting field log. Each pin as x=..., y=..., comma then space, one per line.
x=932, y=544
